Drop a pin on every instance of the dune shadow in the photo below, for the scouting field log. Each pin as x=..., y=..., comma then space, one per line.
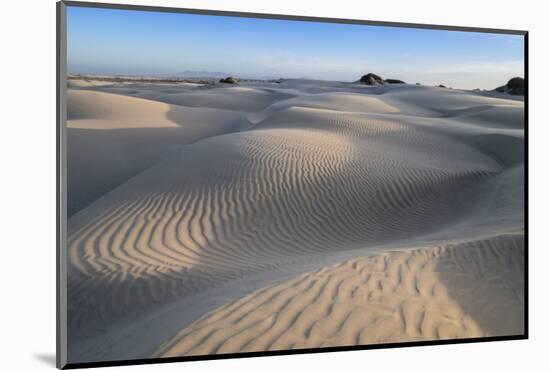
x=100, y=160
x=486, y=279
x=234, y=121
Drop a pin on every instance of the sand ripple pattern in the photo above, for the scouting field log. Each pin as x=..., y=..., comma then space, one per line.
x=263, y=199
x=391, y=297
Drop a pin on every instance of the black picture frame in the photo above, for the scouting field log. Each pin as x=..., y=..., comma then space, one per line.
x=61, y=201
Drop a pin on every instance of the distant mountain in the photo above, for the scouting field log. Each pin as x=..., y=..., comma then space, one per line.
x=196, y=74
x=208, y=74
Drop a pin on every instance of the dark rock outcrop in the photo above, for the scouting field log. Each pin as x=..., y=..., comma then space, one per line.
x=516, y=86
x=393, y=81
x=372, y=79
x=375, y=80
x=443, y=86
x=229, y=80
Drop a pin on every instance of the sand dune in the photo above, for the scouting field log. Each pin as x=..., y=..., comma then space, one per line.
x=441, y=100
x=501, y=116
x=132, y=134
x=73, y=83
x=231, y=98
x=392, y=297
x=236, y=98
x=300, y=215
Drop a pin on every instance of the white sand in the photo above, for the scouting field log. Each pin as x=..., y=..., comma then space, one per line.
x=112, y=138
x=292, y=215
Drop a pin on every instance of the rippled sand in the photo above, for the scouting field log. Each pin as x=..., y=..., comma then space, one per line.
x=294, y=215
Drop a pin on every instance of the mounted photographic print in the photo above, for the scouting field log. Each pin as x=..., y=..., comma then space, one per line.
x=234, y=184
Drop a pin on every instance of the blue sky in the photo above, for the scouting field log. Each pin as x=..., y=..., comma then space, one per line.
x=109, y=41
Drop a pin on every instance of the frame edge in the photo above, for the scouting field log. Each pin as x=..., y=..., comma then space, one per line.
x=61, y=258
x=289, y=17
x=61, y=255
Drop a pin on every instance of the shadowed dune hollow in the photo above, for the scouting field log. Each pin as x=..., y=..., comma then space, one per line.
x=303, y=214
